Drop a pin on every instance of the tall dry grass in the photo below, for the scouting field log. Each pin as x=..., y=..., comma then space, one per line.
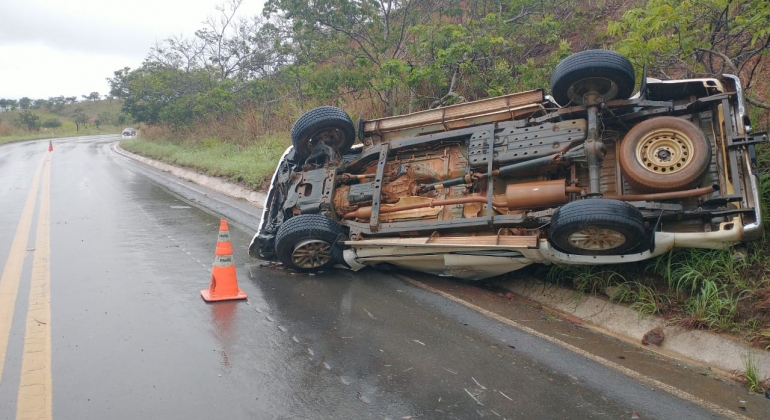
x=251, y=124
x=6, y=128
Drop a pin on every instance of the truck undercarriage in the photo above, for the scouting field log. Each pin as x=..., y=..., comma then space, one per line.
x=483, y=188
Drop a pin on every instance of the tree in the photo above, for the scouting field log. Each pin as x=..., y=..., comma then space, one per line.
x=422, y=52
x=698, y=39
x=80, y=118
x=29, y=120
x=368, y=35
x=93, y=96
x=52, y=123
x=25, y=103
x=119, y=84
x=55, y=104
x=148, y=90
x=104, y=118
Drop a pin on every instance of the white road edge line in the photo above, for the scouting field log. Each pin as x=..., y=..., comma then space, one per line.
x=602, y=361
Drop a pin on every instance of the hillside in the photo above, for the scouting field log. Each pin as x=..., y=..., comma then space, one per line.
x=80, y=118
x=233, y=119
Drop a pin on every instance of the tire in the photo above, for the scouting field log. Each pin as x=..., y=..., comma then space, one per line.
x=307, y=242
x=596, y=226
x=605, y=72
x=326, y=124
x=664, y=154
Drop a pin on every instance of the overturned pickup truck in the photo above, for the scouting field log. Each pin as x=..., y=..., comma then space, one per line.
x=591, y=175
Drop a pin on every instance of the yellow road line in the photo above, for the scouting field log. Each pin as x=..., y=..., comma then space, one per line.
x=34, y=401
x=9, y=282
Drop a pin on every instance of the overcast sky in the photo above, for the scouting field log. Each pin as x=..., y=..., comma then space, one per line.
x=70, y=47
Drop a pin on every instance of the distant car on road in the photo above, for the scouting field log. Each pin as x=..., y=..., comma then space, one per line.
x=129, y=132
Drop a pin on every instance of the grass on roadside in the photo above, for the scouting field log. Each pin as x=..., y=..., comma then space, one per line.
x=719, y=290
x=12, y=131
x=722, y=290
x=751, y=374
x=251, y=165
x=58, y=133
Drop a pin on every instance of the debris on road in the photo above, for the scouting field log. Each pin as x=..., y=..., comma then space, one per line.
x=473, y=396
x=654, y=336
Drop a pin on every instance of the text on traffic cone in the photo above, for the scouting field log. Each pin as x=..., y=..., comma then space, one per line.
x=224, y=281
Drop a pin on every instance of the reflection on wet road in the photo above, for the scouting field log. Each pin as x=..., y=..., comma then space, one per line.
x=130, y=336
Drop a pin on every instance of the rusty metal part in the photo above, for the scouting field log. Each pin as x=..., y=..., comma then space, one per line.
x=665, y=151
x=522, y=143
x=455, y=116
x=559, y=158
x=365, y=212
x=346, y=177
x=432, y=165
x=471, y=210
x=539, y=194
x=467, y=179
x=518, y=196
x=536, y=194
x=666, y=195
x=403, y=186
x=594, y=151
x=340, y=200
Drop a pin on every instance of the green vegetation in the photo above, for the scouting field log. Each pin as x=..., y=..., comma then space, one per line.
x=63, y=119
x=722, y=290
x=752, y=375
x=386, y=57
x=225, y=111
x=247, y=165
x=222, y=101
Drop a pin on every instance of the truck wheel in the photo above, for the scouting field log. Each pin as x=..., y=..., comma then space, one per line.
x=326, y=124
x=664, y=154
x=596, y=226
x=307, y=242
x=605, y=72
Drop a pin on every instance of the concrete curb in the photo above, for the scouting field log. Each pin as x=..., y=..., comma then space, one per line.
x=216, y=184
x=692, y=346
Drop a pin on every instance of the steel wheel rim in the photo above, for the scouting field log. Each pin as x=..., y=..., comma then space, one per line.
x=665, y=151
x=597, y=239
x=607, y=88
x=311, y=253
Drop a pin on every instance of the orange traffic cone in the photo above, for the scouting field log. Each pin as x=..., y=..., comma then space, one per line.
x=224, y=282
x=50, y=146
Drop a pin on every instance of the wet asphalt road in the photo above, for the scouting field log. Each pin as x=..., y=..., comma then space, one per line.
x=126, y=334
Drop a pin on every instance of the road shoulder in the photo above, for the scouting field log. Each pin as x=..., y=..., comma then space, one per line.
x=699, y=348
